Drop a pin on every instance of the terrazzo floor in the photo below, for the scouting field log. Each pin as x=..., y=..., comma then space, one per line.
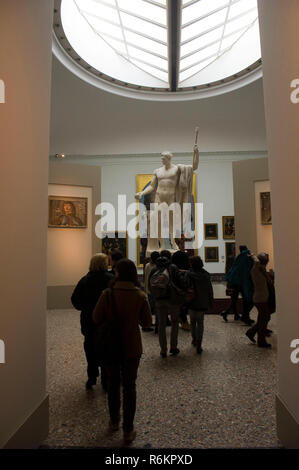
x=221, y=399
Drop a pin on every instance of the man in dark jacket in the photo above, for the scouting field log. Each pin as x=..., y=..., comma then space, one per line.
x=84, y=298
x=165, y=305
x=198, y=279
x=240, y=281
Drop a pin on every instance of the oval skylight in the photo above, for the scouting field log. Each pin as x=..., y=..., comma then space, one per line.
x=169, y=46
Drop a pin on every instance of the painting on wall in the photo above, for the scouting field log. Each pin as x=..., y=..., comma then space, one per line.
x=142, y=182
x=113, y=241
x=230, y=254
x=211, y=231
x=67, y=212
x=266, y=215
x=228, y=227
x=211, y=254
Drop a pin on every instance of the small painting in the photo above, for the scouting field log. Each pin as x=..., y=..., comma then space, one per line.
x=211, y=231
x=228, y=227
x=230, y=255
x=211, y=254
x=113, y=241
x=266, y=216
x=67, y=212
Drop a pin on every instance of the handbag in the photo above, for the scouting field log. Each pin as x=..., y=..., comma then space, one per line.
x=108, y=341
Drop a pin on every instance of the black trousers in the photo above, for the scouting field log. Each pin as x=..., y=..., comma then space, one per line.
x=92, y=364
x=247, y=306
x=125, y=372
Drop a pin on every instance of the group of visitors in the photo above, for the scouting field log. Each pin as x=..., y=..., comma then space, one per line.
x=113, y=306
x=249, y=277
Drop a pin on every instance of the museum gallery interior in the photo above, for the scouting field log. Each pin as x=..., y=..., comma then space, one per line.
x=92, y=92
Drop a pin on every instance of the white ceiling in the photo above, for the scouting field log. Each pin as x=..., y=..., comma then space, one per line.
x=88, y=121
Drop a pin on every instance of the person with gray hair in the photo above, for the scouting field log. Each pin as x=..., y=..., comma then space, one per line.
x=263, y=298
x=84, y=298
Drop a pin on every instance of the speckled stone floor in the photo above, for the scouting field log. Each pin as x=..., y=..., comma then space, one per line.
x=221, y=399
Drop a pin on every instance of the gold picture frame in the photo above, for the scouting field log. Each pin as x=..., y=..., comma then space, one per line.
x=228, y=227
x=211, y=254
x=265, y=201
x=211, y=231
x=67, y=212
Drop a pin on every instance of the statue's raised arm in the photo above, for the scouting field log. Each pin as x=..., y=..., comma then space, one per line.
x=195, y=151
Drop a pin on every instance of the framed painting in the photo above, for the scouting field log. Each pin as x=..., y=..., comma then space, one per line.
x=211, y=231
x=67, y=212
x=228, y=227
x=113, y=241
x=142, y=182
x=266, y=215
x=211, y=254
x=230, y=255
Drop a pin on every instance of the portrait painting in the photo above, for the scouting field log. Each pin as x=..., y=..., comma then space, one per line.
x=211, y=254
x=67, y=212
x=228, y=227
x=113, y=241
x=142, y=182
x=266, y=216
x=211, y=231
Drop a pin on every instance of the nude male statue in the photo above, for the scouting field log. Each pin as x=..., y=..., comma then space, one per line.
x=170, y=183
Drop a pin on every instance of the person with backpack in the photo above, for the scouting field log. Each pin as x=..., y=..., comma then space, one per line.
x=118, y=314
x=199, y=283
x=167, y=285
x=84, y=298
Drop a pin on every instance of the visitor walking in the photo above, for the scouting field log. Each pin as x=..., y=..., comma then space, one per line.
x=127, y=307
x=198, y=280
x=84, y=298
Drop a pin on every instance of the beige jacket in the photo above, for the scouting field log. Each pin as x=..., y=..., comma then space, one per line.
x=134, y=310
x=259, y=279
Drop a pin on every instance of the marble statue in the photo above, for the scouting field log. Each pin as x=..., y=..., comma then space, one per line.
x=170, y=184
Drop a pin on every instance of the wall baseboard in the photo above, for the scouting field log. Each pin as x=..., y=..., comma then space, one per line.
x=287, y=426
x=59, y=297
x=34, y=431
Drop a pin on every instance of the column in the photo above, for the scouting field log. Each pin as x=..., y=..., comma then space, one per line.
x=25, y=70
x=280, y=43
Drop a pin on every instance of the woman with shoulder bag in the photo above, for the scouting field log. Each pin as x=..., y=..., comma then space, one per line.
x=127, y=307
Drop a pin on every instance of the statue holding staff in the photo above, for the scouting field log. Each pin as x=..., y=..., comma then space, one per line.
x=170, y=184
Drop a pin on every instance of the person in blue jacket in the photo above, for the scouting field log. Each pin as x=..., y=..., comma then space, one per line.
x=239, y=280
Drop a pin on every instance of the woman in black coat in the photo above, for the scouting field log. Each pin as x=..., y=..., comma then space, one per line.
x=84, y=298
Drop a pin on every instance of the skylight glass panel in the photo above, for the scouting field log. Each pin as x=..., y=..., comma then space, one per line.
x=204, y=25
x=150, y=58
x=201, y=8
x=202, y=41
x=243, y=21
x=103, y=11
x=144, y=27
x=192, y=71
x=199, y=56
x=103, y=27
x=152, y=71
x=145, y=43
x=147, y=10
x=229, y=40
x=242, y=6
